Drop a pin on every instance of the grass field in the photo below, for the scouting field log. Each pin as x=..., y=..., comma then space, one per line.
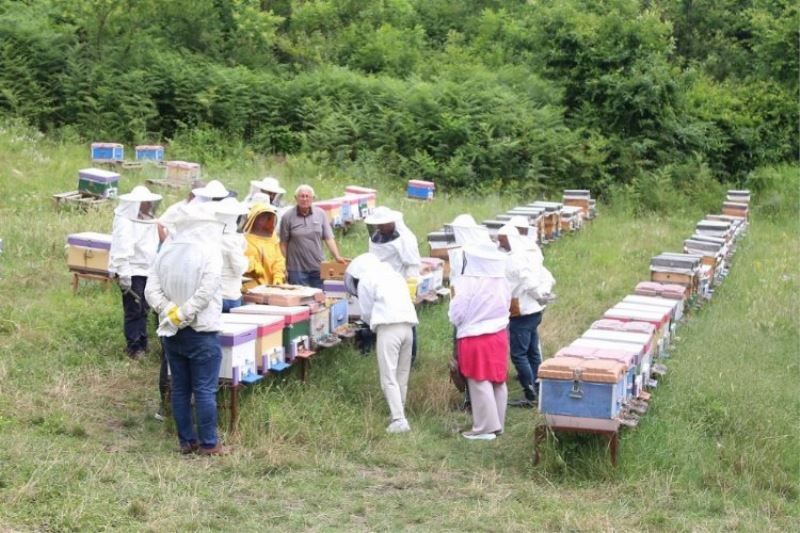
x=80, y=450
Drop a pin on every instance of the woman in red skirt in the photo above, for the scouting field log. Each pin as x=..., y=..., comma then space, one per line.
x=479, y=311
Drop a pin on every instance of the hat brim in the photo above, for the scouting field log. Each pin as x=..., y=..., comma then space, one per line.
x=149, y=197
x=385, y=217
x=206, y=193
x=260, y=185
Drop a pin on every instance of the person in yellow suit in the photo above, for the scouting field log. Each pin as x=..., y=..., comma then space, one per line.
x=267, y=265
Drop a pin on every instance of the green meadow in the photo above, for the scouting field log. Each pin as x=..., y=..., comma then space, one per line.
x=80, y=449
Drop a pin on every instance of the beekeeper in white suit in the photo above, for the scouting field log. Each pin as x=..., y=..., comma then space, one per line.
x=233, y=246
x=392, y=242
x=466, y=232
x=479, y=311
x=529, y=235
x=269, y=186
x=134, y=244
x=386, y=306
x=531, y=287
x=185, y=290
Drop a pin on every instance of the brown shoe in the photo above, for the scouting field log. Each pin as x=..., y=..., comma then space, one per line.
x=219, y=449
x=190, y=448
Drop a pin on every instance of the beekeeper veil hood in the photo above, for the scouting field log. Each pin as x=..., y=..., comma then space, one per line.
x=255, y=211
x=197, y=224
x=357, y=269
x=130, y=203
x=467, y=231
x=516, y=241
x=483, y=261
x=228, y=212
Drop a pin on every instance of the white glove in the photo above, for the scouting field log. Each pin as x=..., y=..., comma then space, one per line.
x=170, y=320
x=125, y=282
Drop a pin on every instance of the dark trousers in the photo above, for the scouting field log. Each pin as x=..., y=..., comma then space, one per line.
x=194, y=358
x=413, y=344
x=308, y=279
x=523, y=337
x=227, y=305
x=163, y=375
x=135, y=309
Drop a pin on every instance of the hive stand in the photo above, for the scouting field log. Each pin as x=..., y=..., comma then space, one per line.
x=88, y=276
x=543, y=430
x=78, y=199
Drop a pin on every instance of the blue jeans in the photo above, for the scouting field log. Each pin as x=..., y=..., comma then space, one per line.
x=309, y=279
x=523, y=340
x=194, y=360
x=227, y=305
x=135, y=310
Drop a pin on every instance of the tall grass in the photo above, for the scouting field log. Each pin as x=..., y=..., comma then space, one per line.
x=79, y=449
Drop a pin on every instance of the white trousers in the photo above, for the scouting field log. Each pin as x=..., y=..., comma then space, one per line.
x=394, y=364
x=488, y=405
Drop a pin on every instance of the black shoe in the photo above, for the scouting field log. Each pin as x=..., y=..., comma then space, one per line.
x=525, y=404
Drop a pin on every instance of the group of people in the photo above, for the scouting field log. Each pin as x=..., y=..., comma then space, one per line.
x=193, y=263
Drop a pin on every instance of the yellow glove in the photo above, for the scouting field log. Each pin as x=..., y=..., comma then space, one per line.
x=175, y=317
x=259, y=273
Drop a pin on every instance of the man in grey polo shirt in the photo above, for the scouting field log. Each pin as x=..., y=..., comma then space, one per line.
x=301, y=231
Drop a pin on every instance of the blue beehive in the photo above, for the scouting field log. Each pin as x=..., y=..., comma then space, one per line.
x=588, y=388
x=421, y=190
x=339, y=314
x=147, y=152
x=107, y=152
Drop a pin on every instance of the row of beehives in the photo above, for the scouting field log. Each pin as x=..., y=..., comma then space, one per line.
x=307, y=311
x=602, y=380
x=551, y=220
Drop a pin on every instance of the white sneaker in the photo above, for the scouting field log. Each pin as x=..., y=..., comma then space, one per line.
x=478, y=436
x=398, y=426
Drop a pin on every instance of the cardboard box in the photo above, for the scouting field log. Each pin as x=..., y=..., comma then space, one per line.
x=332, y=269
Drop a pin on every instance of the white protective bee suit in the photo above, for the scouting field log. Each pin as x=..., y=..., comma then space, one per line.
x=386, y=306
x=134, y=244
x=184, y=286
x=531, y=282
x=134, y=240
x=233, y=246
x=400, y=250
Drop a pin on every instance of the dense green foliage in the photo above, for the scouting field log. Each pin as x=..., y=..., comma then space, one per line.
x=477, y=93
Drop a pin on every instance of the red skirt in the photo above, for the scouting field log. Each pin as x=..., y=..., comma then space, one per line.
x=484, y=357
